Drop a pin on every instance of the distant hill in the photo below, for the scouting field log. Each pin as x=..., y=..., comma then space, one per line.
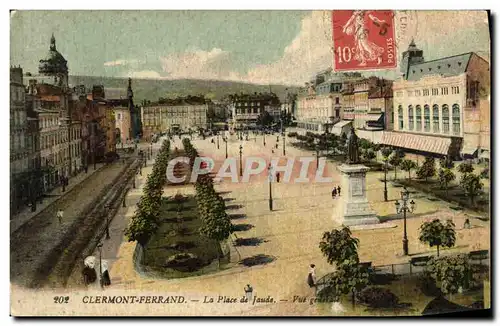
x=152, y=89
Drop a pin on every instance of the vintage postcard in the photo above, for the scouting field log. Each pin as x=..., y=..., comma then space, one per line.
x=250, y=163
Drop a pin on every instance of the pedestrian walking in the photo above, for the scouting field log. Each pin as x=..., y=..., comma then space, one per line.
x=311, y=277
x=334, y=192
x=278, y=177
x=467, y=224
x=338, y=189
x=60, y=214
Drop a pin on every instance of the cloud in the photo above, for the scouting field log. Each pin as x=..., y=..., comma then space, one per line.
x=121, y=62
x=213, y=64
x=144, y=74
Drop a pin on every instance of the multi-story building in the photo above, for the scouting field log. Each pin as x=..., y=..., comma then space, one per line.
x=440, y=105
x=367, y=103
x=175, y=115
x=19, y=151
x=246, y=108
x=319, y=106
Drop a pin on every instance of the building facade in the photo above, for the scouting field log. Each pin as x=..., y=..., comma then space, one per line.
x=438, y=104
x=19, y=147
x=323, y=101
x=175, y=115
x=246, y=108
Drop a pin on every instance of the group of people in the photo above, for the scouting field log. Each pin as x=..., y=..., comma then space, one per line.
x=336, y=191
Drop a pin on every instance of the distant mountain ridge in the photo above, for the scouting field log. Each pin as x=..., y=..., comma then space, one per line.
x=153, y=89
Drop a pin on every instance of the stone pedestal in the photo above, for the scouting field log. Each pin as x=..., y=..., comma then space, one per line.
x=352, y=207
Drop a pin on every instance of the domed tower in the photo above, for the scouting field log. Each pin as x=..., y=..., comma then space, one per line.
x=410, y=57
x=54, y=65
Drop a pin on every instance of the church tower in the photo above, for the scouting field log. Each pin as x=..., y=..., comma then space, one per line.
x=410, y=57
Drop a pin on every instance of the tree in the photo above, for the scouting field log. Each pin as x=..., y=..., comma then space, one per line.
x=395, y=160
x=447, y=162
x=369, y=154
x=445, y=176
x=466, y=167
x=339, y=246
x=438, y=234
x=348, y=278
x=264, y=119
x=450, y=272
x=427, y=169
x=408, y=165
x=472, y=186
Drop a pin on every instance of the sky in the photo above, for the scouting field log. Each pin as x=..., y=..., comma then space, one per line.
x=264, y=47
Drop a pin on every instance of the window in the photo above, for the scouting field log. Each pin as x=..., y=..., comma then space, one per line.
x=417, y=92
x=435, y=91
x=119, y=116
x=419, y=118
x=444, y=90
x=410, y=117
x=446, y=119
x=410, y=93
x=455, y=90
x=337, y=100
x=455, y=116
x=427, y=118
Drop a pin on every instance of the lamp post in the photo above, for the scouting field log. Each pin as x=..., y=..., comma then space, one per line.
x=284, y=153
x=151, y=150
x=385, y=178
x=99, y=246
x=317, y=155
x=404, y=207
x=241, y=161
x=270, y=187
x=217, y=140
x=264, y=135
x=107, y=210
x=225, y=140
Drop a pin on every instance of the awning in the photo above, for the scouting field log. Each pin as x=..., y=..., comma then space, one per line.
x=424, y=143
x=370, y=117
x=485, y=155
x=339, y=127
x=342, y=124
x=469, y=151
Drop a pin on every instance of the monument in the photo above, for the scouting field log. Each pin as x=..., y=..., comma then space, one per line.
x=353, y=208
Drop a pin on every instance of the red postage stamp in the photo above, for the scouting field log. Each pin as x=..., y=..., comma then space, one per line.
x=363, y=39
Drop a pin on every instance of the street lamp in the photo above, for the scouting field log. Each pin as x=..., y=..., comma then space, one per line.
x=403, y=207
x=151, y=149
x=317, y=155
x=99, y=246
x=241, y=161
x=217, y=140
x=106, y=212
x=270, y=189
x=264, y=134
x=284, y=153
x=385, y=178
x=225, y=140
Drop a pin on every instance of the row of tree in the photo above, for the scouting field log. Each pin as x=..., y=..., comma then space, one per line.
x=145, y=221
x=395, y=159
x=216, y=224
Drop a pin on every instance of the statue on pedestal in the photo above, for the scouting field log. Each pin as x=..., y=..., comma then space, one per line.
x=352, y=148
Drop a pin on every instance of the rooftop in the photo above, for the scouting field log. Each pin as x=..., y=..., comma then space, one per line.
x=449, y=66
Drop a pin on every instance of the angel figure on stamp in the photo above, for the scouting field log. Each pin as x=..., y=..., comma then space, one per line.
x=364, y=49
